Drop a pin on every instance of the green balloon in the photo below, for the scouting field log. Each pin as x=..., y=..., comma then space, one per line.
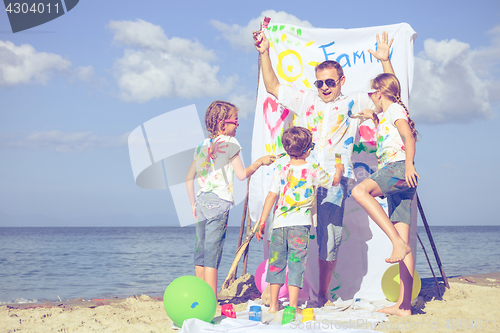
x=189, y=297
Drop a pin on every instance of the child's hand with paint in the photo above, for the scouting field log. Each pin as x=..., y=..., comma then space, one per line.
x=268, y=159
x=193, y=207
x=368, y=113
x=259, y=234
x=268, y=205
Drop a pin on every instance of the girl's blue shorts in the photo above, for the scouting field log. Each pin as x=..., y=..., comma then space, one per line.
x=392, y=182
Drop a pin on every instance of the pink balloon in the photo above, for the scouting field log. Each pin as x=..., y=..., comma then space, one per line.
x=260, y=279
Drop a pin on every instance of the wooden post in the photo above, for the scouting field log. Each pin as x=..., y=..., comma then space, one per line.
x=245, y=258
x=245, y=205
x=231, y=276
x=243, y=224
x=431, y=240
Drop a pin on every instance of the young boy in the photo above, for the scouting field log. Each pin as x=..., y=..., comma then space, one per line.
x=294, y=186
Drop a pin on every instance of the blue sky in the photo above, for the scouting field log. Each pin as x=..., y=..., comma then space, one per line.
x=71, y=91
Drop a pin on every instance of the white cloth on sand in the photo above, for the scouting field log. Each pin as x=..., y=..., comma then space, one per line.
x=346, y=316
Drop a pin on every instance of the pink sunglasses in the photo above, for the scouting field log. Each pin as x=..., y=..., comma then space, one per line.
x=232, y=121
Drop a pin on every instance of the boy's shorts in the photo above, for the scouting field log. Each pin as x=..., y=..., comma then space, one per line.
x=212, y=213
x=392, y=183
x=329, y=222
x=288, y=245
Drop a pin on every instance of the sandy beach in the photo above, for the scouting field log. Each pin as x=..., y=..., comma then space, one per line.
x=472, y=304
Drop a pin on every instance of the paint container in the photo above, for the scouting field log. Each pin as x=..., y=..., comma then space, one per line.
x=288, y=315
x=308, y=314
x=255, y=313
x=228, y=311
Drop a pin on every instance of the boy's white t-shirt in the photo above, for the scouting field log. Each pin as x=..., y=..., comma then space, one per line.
x=390, y=145
x=213, y=165
x=296, y=186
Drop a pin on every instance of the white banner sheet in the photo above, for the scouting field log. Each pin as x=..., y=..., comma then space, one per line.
x=294, y=52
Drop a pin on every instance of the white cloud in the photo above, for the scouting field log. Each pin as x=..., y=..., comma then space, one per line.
x=454, y=83
x=23, y=64
x=155, y=66
x=241, y=37
x=84, y=73
x=244, y=102
x=63, y=142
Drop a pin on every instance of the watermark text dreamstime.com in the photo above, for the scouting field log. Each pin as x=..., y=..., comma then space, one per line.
x=454, y=324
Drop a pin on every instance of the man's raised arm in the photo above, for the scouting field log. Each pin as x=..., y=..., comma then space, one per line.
x=270, y=79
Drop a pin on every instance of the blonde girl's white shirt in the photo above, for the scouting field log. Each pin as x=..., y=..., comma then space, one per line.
x=296, y=187
x=215, y=171
x=390, y=145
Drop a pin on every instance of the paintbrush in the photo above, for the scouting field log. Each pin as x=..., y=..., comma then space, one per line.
x=281, y=155
x=264, y=26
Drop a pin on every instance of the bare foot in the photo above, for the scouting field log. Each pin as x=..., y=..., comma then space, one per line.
x=273, y=309
x=399, y=252
x=322, y=299
x=396, y=310
x=266, y=295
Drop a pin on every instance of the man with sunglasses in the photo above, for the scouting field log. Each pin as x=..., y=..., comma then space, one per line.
x=327, y=113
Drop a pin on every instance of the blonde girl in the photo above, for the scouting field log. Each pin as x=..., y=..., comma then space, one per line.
x=396, y=179
x=216, y=161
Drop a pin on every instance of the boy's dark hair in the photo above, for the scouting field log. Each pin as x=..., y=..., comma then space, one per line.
x=295, y=140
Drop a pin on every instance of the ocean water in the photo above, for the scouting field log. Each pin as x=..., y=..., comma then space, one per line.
x=47, y=264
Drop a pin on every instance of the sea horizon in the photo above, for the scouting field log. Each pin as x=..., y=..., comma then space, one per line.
x=48, y=263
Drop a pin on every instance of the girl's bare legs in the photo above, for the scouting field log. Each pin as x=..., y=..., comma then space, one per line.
x=364, y=194
x=402, y=307
x=211, y=278
x=275, y=289
x=209, y=275
x=199, y=271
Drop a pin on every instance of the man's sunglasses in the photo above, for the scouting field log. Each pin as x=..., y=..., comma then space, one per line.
x=311, y=146
x=330, y=83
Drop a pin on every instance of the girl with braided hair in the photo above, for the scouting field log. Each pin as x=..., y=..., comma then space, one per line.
x=216, y=161
x=396, y=179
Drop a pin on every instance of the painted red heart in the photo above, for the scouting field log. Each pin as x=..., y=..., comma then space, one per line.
x=271, y=104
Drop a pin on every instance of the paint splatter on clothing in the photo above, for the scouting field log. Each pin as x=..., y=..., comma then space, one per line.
x=289, y=246
x=333, y=131
x=296, y=187
x=213, y=165
x=390, y=146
